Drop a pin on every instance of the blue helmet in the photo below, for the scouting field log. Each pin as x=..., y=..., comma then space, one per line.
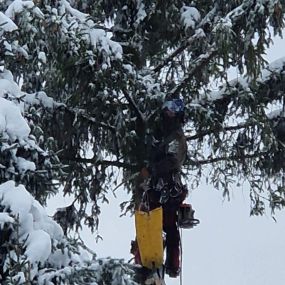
x=175, y=105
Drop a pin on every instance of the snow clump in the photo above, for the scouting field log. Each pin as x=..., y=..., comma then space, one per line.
x=6, y=24
x=36, y=229
x=189, y=17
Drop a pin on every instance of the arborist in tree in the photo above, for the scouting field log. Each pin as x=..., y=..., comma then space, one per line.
x=165, y=187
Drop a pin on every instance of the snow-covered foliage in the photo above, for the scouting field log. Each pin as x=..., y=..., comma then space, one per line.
x=75, y=22
x=36, y=243
x=22, y=157
x=12, y=125
x=6, y=24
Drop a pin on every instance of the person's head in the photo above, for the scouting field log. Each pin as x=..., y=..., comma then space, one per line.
x=173, y=108
x=173, y=113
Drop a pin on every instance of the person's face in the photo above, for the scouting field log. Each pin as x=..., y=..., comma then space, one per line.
x=169, y=113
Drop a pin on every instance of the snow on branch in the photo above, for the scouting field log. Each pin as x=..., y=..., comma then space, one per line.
x=257, y=91
x=17, y=142
x=199, y=33
x=6, y=24
x=274, y=67
x=36, y=229
x=43, y=255
x=267, y=74
x=10, y=90
x=81, y=23
x=12, y=124
x=15, y=133
x=18, y=6
x=189, y=17
x=40, y=98
x=5, y=218
x=196, y=66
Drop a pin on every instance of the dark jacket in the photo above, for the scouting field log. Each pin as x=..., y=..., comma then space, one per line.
x=169, y=154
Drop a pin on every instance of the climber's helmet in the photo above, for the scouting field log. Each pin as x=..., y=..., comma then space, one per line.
x=174, y=107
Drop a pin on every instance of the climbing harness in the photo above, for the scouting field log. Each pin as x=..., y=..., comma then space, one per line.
x=170, y=189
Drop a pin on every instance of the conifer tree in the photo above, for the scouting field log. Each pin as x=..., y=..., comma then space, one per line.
x=87, y=80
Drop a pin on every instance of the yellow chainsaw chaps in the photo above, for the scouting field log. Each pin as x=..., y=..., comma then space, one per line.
x=149, y=237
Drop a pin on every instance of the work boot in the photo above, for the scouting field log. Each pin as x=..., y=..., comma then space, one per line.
x=172, y=273
x=142, y=274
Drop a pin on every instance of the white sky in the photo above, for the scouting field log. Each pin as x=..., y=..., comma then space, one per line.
x=228, y=248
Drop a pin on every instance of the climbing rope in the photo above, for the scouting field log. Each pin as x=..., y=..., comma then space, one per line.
x=145, y=203
x=181, y=277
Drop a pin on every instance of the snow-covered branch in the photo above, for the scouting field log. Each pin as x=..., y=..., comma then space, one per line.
x=133, y=106
x=268, y=86
x=197, y=36
x=44, y=255
x=197, y=65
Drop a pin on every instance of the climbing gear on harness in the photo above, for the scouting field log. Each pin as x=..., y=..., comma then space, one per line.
x=173, y=188
x=186, y=218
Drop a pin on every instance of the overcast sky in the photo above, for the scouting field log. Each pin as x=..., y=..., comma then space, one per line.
x=228, y=248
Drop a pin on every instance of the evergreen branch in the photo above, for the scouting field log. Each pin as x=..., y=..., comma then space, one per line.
x=266, y=89
x=199, y=135
x=133, y=105
x=97, y=162
x=179, y=50
x=187, y=43
x=202, y=59
x=227, y=158
x=197, y=65
x=225, y=129
x=79, y=113
x=209, y=16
